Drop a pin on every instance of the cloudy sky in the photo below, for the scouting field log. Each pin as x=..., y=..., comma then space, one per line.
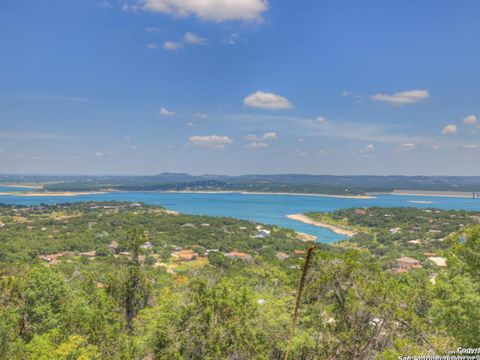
x=240, y=86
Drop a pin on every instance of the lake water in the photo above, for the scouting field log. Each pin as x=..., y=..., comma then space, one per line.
x=269, y=209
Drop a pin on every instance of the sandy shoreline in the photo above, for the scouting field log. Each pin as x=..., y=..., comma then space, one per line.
x=335, y=228
x=60, y=193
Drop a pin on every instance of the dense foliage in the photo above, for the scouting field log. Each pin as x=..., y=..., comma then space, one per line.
x=139, y=301
x=389, y=233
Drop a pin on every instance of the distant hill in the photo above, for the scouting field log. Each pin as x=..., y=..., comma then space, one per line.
x=296, y=183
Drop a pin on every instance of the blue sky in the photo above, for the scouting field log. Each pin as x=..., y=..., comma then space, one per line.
x=240, y=86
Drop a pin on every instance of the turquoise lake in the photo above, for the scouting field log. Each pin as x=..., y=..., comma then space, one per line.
x=268, y=209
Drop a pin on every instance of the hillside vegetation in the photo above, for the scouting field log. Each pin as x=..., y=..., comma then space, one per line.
x=129, y=281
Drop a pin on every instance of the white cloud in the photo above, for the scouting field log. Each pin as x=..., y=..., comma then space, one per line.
x=165, y=112
x=104, y=4
x=266, y=100
x=369, y=148
x=172, y=45
x=233, y=39
x=449, y=129
x=346, y=93
x=210, y=141
x=190, y=124
x=256, y=145
x=212, y=10
x=470, y=120
x=407, y=147
x=301, y=153
x=320, y=120
x=191, y=38
x=99, y=154
x=403, y=97
x=271, y=135
x=267, y=136
x=152, y=46
x=201, y=115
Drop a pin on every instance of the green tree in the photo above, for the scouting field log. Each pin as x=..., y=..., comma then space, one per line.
x=136, y=287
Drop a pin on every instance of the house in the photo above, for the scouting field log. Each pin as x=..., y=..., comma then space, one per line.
x=281, y=256
x=415, y=242
x=234, y=255
x=188, y=225
x=185, y=255
x=299, y=252
x=205, y=225
x=395, y=230
x=429, y=254
x=89, y=254
x=212, y=250
x=398, y=271
x=113, y=246
x=360, y=212
x=439, y=261
x=51, y=258
x=147, y=245
x=408, y=263
x=262, y=233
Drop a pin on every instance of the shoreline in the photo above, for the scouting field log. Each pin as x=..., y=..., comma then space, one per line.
x=463, y=195
x=335, y=228
x=360, y=197
x=51, y=193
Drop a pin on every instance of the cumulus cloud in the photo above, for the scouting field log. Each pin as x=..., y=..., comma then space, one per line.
x=256, y=145
x=172, y=45
x=271, y=135
x=449, y=129
x=470, y=120
x=165, y=112
x=191, y=38
x=264, y=100
x=152, y=46
x=210, y=141
x=402, y=97
x=369, y=148
x=211, y=10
